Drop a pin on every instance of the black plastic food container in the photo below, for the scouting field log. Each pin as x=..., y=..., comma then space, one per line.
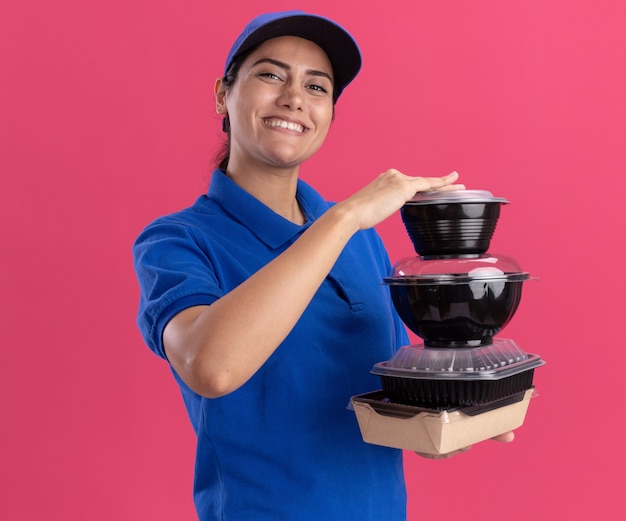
x=456, y=302
x=444, y=378
x=456, y=222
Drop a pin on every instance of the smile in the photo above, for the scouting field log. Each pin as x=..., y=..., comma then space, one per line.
x=284, y=124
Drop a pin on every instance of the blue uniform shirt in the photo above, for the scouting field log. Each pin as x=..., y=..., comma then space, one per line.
x=284, y=445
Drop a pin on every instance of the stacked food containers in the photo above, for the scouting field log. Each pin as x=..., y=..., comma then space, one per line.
x=462, y=384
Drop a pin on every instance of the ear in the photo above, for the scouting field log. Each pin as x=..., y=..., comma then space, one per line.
x=220, y=96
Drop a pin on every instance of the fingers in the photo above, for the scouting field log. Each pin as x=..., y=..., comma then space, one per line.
x=446, y=182
x=447, y=455
x=451, y=177
x=423, y=184
x=450, y=188
x=506, y=437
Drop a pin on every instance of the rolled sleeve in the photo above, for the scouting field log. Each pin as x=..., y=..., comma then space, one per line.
x=174, y=273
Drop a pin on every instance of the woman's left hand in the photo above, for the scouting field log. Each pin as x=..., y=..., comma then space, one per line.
x=506, y=437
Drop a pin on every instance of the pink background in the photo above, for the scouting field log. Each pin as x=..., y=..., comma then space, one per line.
x=107, y=121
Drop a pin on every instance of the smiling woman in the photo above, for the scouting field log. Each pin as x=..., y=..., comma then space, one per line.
x=279, y=108
x=266, y=300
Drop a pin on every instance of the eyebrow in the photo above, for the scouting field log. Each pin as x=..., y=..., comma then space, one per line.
x=286, y=66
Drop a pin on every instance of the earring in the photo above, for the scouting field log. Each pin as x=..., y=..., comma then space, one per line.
x=226, y=124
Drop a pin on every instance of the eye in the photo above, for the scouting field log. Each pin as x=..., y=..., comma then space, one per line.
x=318, y=88
x=269, y=75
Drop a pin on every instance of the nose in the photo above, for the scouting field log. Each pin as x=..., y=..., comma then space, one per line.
x=292, y=96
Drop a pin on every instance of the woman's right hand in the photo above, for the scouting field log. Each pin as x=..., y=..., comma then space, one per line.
x=389, y=192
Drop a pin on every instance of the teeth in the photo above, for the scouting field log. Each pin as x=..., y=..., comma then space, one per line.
x=284, y=124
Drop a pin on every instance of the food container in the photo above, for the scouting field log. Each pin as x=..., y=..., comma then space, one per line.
x=443, y=378
x=453, y=222
x=456, y=301
x=462, y=385
x=433, y=431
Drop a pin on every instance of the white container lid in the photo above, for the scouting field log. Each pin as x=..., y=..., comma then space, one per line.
x=455, y=196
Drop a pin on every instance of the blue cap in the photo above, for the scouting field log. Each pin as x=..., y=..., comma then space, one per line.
x=341, y=49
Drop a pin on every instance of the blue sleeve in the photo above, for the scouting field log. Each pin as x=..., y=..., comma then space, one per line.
x=174, y=273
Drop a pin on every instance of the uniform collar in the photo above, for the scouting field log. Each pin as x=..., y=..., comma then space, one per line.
x=269, y=227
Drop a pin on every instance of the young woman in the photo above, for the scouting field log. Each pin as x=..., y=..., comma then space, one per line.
x=267, y=301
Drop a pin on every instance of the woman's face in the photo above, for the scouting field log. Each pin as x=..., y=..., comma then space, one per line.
x=281, y=105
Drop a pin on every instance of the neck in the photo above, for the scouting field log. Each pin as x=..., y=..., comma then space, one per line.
x=275, y=188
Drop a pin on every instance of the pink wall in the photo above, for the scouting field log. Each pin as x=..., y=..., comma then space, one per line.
x=107, y=121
